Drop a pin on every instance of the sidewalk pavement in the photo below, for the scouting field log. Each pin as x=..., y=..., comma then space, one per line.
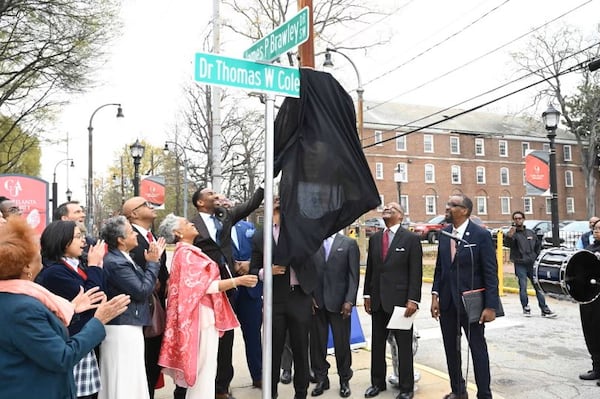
x=433, y=384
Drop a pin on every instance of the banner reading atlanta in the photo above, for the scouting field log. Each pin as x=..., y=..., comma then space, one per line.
x=31, y=195
x=537, y=173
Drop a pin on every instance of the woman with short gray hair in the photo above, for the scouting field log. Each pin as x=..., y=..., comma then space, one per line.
x=167, y=228
x=122, y=369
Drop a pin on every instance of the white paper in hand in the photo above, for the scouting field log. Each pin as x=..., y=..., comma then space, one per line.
x=398, y=321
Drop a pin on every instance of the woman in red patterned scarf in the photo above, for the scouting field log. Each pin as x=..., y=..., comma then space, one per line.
x=198, y=311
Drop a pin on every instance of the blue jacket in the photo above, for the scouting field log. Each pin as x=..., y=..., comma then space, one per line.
x=65, y=282
x=37, y=355
x=122, y=277
x=243, y=251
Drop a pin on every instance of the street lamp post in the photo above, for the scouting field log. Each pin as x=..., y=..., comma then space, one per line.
x=185, y=179
x=55, y=185
x=137, y=152
x=398, y=180
x=89, y=211
x=551, y=118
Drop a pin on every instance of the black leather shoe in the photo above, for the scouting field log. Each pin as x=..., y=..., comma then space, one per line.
x=312, y=378
x=320, y=388
x=590, y=375
x=257, y=384
x=453, y=395
x=373, y=391
x=286, y=377
x=598, y=383
x=405, y=395
x=345, y=389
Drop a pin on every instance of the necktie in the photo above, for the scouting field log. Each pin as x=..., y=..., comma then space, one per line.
x=385, y=243
x=327, y=246
x=218, y=228
x=149, y=236
x=453, y=245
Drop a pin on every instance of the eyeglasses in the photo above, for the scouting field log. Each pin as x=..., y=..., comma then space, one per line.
x=517, y=218
x=392, y=209
x=146, y=204
x=13, y=209
x=455, y=205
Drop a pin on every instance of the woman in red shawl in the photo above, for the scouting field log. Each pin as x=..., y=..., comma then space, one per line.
x=198, y=311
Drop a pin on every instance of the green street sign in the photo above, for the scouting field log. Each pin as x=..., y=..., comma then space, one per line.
x=284, y=38
x=214, y=69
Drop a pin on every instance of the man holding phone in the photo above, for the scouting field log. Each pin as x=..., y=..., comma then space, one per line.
x=524, y=249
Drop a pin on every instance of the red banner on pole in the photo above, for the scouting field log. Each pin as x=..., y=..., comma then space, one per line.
x=152, y=188
x=537, y=173
x=31, y=195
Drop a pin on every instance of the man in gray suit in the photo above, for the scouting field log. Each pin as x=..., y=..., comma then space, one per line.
x=337, y=263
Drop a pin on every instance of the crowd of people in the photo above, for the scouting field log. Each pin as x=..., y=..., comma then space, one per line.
x=83, y=308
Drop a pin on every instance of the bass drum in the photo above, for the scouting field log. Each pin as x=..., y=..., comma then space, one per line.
x=571, y=273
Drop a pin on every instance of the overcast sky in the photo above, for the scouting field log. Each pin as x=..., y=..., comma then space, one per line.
x=152, y=60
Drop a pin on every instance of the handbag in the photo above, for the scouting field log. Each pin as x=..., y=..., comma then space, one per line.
x=158, y=321
x=473, y=301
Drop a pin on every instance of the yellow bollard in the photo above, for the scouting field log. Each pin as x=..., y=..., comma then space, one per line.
x=500, y=260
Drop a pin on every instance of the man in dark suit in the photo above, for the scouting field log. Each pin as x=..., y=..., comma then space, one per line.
x=214, y=223
x=293, y=286
x=393, y=278
x=464, y=264
x=337, y=263
x=141, y=215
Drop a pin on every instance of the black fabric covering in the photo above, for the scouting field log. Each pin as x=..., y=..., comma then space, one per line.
x=326, y=183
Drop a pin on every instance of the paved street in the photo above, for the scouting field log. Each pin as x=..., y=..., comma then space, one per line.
x=530, y=357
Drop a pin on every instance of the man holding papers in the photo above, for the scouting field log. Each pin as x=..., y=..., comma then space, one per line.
x=393, y=278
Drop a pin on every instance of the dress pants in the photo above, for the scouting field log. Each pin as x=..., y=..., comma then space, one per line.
x=225, y=362
x=319, y=333
x=379, y=333
x=479, y=351
x=294, y=316
x=249, y=313
x=590, y=323
x=151, y=353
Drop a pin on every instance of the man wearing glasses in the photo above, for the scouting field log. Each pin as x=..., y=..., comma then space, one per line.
x=141, y=215
x=9, y=207
x=393, y=278
x=524, y=250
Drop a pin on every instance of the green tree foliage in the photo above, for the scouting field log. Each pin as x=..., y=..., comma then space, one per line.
x=19, y=151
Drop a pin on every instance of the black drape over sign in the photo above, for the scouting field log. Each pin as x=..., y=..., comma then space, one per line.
x=326, y=183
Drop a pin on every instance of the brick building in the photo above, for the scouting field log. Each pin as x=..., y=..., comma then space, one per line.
x=479, y=154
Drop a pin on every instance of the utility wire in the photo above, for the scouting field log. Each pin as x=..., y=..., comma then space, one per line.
x=568, y=70
x=477, y=58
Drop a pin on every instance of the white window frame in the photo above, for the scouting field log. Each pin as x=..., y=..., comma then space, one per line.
x=481, y=205
x=524, y=148
x=479, y=147
x=378, y=136
x=548, y=202
x=454, y=145
x=428, y=143
x=402, y=168
x=430, y=205
x=400, y=142
x=378, y=170
x=404, y=203
x=503, y=148
x=570, y=202
x=568, y=178
x=505, y=205
x=567, y=153
x=504, y=177
x=429, y=170
x=528, y=205
x=480, y=173
x=456, y=168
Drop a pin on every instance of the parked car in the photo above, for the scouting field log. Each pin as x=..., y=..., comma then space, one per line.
x=429, y=230
x=373, y=225
x=539, y=227
x=568, y=235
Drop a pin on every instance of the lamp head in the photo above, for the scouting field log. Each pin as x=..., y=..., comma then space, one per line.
x=120, y=112
x=137, y=150
x=551, y=117
x=328, y=63
x=69, y=194
x=72, y=164
x=166, y=149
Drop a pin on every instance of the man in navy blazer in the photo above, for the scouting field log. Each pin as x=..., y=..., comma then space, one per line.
x=338, y=265
x=393, y=278
x=464, y=264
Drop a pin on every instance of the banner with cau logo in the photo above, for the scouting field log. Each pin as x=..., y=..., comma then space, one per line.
x=31, y=195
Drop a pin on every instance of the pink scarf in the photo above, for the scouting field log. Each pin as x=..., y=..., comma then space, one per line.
x=192, y=272
x=62, y=308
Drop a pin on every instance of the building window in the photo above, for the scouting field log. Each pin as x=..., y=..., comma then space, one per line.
x=402, y=169
x=378, y=137
x=454, y=145
x=503, y=148
x=378, y=171
x=380, y=206
x=481, y=205
x=546, y=147
x=570, y=205
x=524, y=149
x=480, y=175
x=567, y=152
x=479, y=147
x=400, y=142
x=404, y=204
x=528, y=205
x=429, y=173
x=504, y=179
x=548, y=206
x=568, y=178
x=430, y=206
x=505, y=205
x=427, y=143
x=455, y=174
